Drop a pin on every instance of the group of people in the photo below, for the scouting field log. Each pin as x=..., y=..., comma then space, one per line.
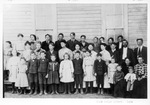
x=76, y=66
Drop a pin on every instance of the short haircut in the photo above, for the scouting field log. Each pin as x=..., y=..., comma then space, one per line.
x=66, y=54
x=53, y=55
x=73, y=33
x=27, y=42
x=95, y=38
x=33, y=36
x=125, y=40
x=99, y=54
x=140, y=57
x=83, y=36
x=61, y=34
x=43, y=52
x=139, y=39
x=91, y=44
x=111, y=39
x=104, y=44
x=120, y=36
x=102, y=38
x=20, y=35
x=77, y=44
x=48, y=35
x=77, y=52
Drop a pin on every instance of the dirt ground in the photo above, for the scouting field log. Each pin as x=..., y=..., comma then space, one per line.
x=94, y=96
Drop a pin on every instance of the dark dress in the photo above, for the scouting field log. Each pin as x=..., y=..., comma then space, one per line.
x=115, y=55
x=96, y=47
x=120, y=84
x=71, y=44
x=84, y=46
x=45, y=45
x=125, y=67
x=53, y=73
x=49, y=53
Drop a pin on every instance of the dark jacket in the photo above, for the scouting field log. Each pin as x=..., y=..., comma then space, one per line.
x=143, y=54
x=117, y=47
x=33, y=66
x=48, y=55
x=119, y=75
x=78, y=66
x=45, y=45
x=57, y=45
x=43, y=64
x=96, y=47
x=115, y=55
x=130, y=55
x=71, y=44
x=100, y=67
x=84, y=47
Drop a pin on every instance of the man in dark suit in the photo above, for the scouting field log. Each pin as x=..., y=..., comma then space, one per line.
x=83, y=43
x=114, y=53
x=126, y=52
x=72, y=42
x=45, y=44
x=119, y=43
x=140, y=50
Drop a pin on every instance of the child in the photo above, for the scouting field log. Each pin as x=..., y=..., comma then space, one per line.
x=53, y=74
x=100, y=69
x=78, y=72
x=93, y=53
x=111, y=70
x=38, y=50
x=22, y=80
x=33, y=76
x=42, y=71
x=130, y=78
x=88, y=63
x=13, y=65
x=66, y=72
x=77, y=48
x=119, y=82
x=7, y=54
x=27, y=52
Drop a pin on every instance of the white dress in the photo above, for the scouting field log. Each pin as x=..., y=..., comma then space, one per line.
x=93, y=54
x=26, y=54
x=66, y=70
x=22, y=80
x=130, y=76
x=13, y=65
x=111, y=72
x=88, y=63
x=62, y=51
x=106, y=57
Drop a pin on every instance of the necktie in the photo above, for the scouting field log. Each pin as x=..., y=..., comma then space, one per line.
x=139, y=51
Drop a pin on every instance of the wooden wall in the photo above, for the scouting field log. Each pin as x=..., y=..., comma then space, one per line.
x=137, y=23
x=79, y=18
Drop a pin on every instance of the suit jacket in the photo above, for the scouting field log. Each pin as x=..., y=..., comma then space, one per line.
x=96, y=47
x=100, y=67
x=71, y=44
x=57, y=45
x=48, y=55
x=143, y=54
x=43, y=64
x=117, y=47
x=33, y=66
x=78, y=66
x=130, y=55
x=115, y=55
x=84, y=47
x=45, y=45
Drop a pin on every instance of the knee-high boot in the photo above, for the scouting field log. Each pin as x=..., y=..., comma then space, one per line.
x=86, y=91
x=69, y=88
x=36, y=89
x=31, y=88
x=91, y=87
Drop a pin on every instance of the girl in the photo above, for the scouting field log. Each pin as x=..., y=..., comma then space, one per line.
x=33, y=41
x=93, y=53
x=26, y=53
x=77, y=49
x=111, y=70
x=119, y=82
x=7, y=54
x=66, y=72
x=13, y=65
x=130, y=78
x=88, y=63
x=22, y=81
x=53, y=74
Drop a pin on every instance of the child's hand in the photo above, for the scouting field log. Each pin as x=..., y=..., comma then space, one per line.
x=105, y=73
x=84, y=73
x=60, y=76
x=72, y=75
x=95, y=74
x=46, y=76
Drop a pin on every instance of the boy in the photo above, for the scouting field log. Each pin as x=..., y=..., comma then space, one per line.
x=78, y=71
x=42, y=71
x=100, y=69
x=32, y=70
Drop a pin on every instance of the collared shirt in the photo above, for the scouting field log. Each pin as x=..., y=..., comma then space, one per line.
x=120, y=45
x=124, y=53
x=141, y=70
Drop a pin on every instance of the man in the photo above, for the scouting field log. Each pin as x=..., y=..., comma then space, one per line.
x=140, y=50
x=45, y=44
x=57, y=43
x=140, y=85
x=126, y=52
x=114, y=53
x=119, y=43
x=72, y=42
